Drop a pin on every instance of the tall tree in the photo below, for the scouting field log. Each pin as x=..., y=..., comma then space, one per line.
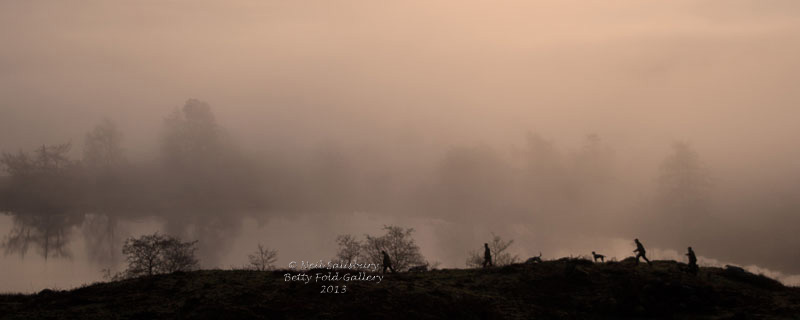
x=683, y=194
x=205, y=183
x=103, y=146
x=192, y=137
x=684, y=182
x=103, y=158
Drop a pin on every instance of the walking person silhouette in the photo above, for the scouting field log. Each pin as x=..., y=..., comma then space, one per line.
x=693, y=268
x=640, y=252
x=387, y=263
x=487, y=255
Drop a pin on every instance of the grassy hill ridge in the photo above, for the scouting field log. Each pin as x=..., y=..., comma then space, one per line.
x=566, y=288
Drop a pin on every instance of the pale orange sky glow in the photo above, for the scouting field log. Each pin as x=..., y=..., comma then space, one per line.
x=400, y=91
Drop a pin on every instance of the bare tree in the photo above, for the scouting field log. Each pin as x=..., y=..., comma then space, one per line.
x=143, y=254
x=683, y=197
x=263, y=259
x=156, y=253
x=349, y=248
x=204, y=181
x=179, y=256
x=103, y=159
x=684, y=182
x=498, y=248
x=102, y=146
x=398, y=243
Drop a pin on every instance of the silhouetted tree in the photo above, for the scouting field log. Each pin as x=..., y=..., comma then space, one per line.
x=500, y=256
x=191, y=137
x=156, y=253
x=103, y=158
x=398, y=243
x=683, y=196
x=263, y=259
x=684, y=182
x=144, y=254
x=204, y=182
x=179, y=256
x=103, y=146
x=349, y=248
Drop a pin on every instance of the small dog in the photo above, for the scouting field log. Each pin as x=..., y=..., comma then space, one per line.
x=534, y=259
x=598, y=256
x=419, y=268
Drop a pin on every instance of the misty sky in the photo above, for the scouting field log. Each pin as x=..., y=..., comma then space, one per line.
x=401, y=83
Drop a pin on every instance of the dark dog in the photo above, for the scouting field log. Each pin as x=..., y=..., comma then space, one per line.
x=534, y=259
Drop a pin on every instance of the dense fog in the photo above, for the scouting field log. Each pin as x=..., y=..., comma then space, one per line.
x=568, y=126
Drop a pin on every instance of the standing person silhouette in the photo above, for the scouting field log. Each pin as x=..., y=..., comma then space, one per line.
x=640, y=252
x=693, y=268
x=487, y=255
x=387, y=263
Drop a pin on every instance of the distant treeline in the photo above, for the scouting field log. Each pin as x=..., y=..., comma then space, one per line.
x=203, y=183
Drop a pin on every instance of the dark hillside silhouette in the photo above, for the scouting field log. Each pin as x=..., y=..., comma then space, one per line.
x=564, y=288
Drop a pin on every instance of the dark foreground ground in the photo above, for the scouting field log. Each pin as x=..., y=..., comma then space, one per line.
x=553, y=289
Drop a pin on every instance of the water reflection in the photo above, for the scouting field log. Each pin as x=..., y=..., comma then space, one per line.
x=48, y=234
